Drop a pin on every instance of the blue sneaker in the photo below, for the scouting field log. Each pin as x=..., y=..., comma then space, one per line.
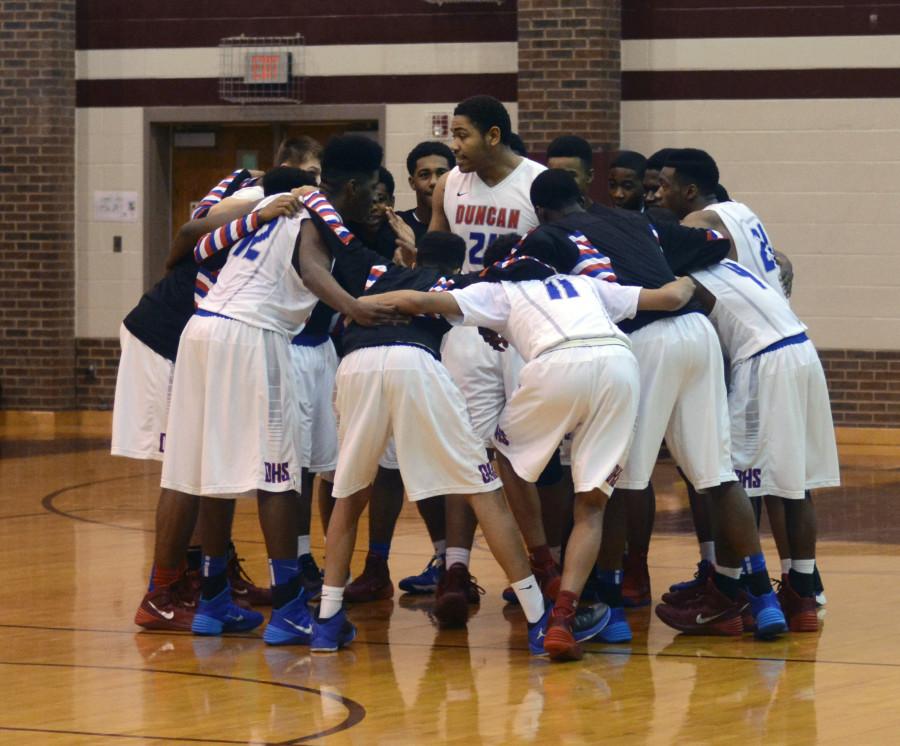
x=220, y=614
x=291, y=624
x=537, y=632
x=509, y=595
x=767, y=614
x=332, y=634
x=427, y=580
x=618, y=629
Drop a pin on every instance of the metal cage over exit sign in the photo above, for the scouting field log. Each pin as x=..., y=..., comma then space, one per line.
x=261, y=69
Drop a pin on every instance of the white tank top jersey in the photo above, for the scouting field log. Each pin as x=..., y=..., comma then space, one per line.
x=479, y=213
x=259, y=285
x=537, y=315
x=749, y=315
x=754, y=250
x=250, y=193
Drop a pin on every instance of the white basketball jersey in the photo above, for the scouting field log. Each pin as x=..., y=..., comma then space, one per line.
x=749, y=315
x=250, y=193
x=537, y=315
x=479, y=213
x=259, y=285
x=754, y=250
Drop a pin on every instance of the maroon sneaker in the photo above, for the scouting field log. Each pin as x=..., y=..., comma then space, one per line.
x=710, y=613
x=373, y=585
x=799, y=611
x=685, y=592
x=559, y=641
x=451, y=604
x=635, y=581
x=243, y=590
x=169, y=607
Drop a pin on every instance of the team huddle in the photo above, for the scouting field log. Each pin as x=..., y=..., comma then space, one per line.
x=508, y=354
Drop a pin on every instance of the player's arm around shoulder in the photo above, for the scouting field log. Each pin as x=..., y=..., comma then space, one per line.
x=414, y=302
x=710, y=219
x=439, y=220
x=670, y=297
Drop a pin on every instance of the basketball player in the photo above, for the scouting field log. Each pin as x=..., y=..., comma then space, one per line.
x=682, y=398
x=426, y=163
x=149, y=342
x=315, y=362
x=235, y=350
x=654, y=165
x=687, y=190
x=782, y=436
x=485, y=195
x=564, y=328
x=626, y=174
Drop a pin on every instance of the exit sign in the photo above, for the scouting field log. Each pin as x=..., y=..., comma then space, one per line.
x=267, y=67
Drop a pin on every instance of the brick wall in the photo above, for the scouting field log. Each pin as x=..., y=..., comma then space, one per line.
x=96, y=364
x=37, y=185
x=864, y=386
x=569, y=71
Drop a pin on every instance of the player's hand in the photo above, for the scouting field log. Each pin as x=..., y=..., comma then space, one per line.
x=370, y=311
x=283, y=206
x=493, y=339
x=786, y=273
x=304, y=191
x=405, y=234
x=684, y=288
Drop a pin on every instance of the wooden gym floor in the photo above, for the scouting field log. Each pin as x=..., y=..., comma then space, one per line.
x=75, y=547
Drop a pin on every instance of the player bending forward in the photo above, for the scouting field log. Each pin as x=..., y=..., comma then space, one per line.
x=580, y=377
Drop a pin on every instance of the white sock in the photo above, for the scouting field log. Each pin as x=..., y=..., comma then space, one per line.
x=708, y=551
x=458, y=555
x=302, y=545
x=786, y=566
x=806, y=566
x=530, y=598
x=332, y=600
x=730, y=572
x=440, y=547
x=556, y=553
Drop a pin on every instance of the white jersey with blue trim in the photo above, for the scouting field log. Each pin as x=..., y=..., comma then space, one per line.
x=751, y=242
x=259, y=285
x=479, y=213
x=537, y=315
x=749, y=314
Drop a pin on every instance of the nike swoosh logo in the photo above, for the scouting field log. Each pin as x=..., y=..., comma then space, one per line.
x=164, y=614
x=461, y=194
x=305, y=630
x=527, y=587
x=240, y=591
x=704, y=619
x=234, y=618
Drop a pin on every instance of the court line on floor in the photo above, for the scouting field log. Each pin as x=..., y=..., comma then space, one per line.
x=467, y=646
x=356, y=713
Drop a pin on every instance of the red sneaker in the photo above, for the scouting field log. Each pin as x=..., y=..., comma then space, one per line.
x=711, y=613
x=559, y=641
x=548, y=577
x=373, y=585
x=243, y=590
x=169, y=607
x=451, y=605
x=685, y=592
x=636, y=581
x=800, y=611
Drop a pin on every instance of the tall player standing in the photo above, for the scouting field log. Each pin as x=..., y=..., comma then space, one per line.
x=486, y=195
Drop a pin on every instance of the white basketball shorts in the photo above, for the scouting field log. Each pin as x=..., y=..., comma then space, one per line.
x=591, y=392
x=485, y=376
x=233, y=422
x=683, y=399
x=315, y=368
x=141, y=406
x=404, y=391
x=782, y=435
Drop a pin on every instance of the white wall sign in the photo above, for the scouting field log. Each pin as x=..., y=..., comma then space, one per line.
x=116, y=207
